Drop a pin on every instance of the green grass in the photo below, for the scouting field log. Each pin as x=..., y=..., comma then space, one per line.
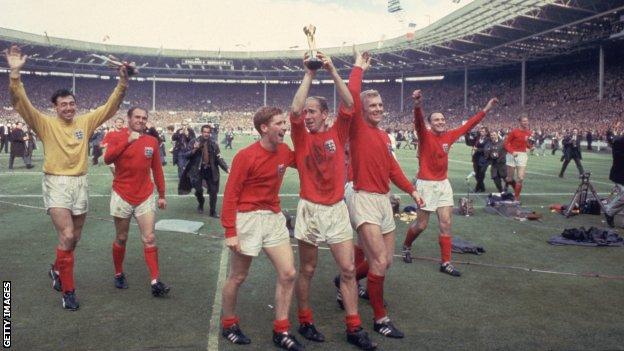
x=491, y=307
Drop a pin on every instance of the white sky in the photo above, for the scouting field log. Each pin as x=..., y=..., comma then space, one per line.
x=226, y=25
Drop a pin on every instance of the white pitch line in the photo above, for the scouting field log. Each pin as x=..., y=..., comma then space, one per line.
x=215, y=319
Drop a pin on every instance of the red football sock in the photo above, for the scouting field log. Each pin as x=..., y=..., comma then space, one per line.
x=361, y=271
x=281, y=326
x=227, y=322
x=305, y=316
x=445, y=247
x=56, y=262
x=410, y=236
x=517, y=190
x=353, y=322
x=375, y=294
x=118, y=257
x=151, y=259
x=65, y=265
x=361, y=265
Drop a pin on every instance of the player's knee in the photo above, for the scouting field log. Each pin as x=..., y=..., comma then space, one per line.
x=149, y=239
x=348, y=272
x=380, y=262
x=288, y=276
x=121, y=240
x=237, y=278
x=420, y=226
x=307, y=270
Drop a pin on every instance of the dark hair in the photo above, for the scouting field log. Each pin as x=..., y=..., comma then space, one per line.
x=61, y=93
x=132, y=109
x=205, y=126
x=321, y=101
x=264, y=115
x=432, y=113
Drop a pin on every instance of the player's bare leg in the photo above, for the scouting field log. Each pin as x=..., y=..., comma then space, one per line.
x=413, y=231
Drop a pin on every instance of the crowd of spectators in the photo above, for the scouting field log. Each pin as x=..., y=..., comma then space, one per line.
x=559, y=96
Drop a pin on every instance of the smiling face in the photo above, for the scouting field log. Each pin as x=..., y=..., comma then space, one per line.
x=275, y=129
x=65, y=107
x=437, y=122
x=372, y=106
x=137, y=120
x=315, y=116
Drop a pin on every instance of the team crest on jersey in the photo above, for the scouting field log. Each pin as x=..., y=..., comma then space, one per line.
x=79, y=134
x=281, y=169
x=149, y=151
x=330, y=146
x=445, y=147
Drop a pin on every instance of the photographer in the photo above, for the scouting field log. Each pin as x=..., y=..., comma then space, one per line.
x=572, y=151
x=617, y=176
x=181, y=139
x=495, y=154
x=478, y=141
x=204, y=163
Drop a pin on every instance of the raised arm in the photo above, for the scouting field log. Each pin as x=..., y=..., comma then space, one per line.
x=108, y=110
x=419, y=118
x=362, y=63
x=302, y=92
x=33, y=117
x=474, y=120
x=342, y=90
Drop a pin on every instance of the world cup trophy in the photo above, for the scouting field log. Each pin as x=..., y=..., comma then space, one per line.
x=313, y=62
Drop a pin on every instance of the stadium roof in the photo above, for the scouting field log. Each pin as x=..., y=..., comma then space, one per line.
x=484, y=33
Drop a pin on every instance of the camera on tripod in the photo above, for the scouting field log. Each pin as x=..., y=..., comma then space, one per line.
x=584, y=177
x=585, y=199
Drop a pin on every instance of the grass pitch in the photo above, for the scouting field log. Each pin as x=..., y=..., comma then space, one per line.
x=502, y=302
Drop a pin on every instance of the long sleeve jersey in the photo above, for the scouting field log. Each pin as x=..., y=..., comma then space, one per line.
x=433, y=148
x=254, y=182
x=373, y=164
x=65, y=142
x=133, y=163
x=320, y=158
x=517, y=140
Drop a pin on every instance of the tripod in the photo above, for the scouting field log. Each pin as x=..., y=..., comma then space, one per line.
x=580, y=196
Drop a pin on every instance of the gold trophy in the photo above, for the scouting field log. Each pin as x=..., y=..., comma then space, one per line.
x=313, y=62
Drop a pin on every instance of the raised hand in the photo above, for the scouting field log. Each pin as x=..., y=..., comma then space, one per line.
x=327, y=61
x=491, y=104
x=418, y=98
x=306, y=58
x=362, y=60
x=15, y=59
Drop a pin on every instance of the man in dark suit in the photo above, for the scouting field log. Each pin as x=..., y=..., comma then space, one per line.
x=18, y=145
x=203, y=166
x=590, y=139
x=5, y=130
x=572, y=151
